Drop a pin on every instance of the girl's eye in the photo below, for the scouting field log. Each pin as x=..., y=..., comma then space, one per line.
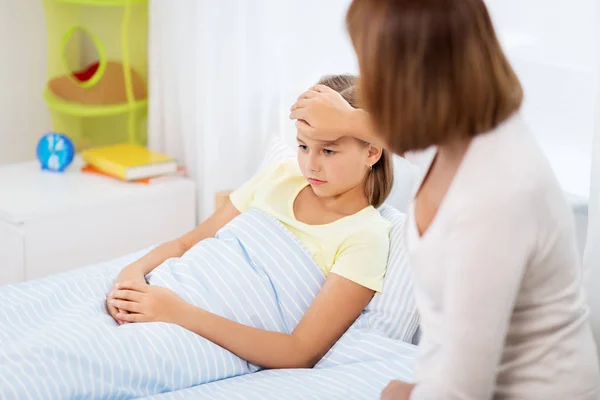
x=329, y=152
x=303, y=147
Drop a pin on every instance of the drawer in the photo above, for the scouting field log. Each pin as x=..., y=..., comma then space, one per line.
x=12, y=255
x=62, y=242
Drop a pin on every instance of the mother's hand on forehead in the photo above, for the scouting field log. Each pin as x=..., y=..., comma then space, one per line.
x=322, y=114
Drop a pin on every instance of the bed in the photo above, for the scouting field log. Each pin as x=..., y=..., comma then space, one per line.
x=59, y=342
x=382, y=348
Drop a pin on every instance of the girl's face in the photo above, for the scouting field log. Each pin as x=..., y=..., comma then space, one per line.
x=334, y=168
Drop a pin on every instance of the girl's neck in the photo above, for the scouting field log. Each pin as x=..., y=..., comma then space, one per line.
x=347, y=203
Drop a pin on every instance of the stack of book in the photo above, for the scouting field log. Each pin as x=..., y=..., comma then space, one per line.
x=130, y=163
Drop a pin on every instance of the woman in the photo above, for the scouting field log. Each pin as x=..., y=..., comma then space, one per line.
x=490, y=236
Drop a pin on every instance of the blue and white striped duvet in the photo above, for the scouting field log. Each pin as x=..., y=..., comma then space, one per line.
x=354, y=381
x=57, y=341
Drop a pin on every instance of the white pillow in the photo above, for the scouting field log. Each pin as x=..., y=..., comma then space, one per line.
x=406, y=177
x=394, y=311
x=277, y=150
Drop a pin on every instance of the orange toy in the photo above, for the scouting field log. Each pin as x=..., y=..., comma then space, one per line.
x=110, y=89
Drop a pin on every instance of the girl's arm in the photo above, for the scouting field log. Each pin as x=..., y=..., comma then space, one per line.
x=177, y=247
x=334, y=309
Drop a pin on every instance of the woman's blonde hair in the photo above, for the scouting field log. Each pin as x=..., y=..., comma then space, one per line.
x=431, y=71
x=380, y=177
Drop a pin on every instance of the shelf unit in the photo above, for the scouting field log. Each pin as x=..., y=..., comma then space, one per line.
x=97, y=70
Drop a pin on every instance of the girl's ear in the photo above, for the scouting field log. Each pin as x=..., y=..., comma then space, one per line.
x=374, y=154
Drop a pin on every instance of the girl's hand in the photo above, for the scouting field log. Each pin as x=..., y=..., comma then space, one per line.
x=323, y=114
x=146, y=303
x=127, y=274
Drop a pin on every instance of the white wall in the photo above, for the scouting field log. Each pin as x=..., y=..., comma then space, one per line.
x=23, y=113
x=553, y=47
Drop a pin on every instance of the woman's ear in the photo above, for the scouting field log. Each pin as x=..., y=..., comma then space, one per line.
x=374, y=154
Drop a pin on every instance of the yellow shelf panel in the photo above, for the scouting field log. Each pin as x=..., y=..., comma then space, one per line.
x=86, y=110
x=102, y=3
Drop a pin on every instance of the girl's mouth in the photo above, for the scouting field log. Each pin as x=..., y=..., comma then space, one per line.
x=315, y=182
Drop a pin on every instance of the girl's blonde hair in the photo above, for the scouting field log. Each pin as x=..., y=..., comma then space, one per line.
x=380, y=177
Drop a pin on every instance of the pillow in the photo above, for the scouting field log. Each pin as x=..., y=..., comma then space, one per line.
x=393, y=312
x=277, y=150
x=406, y=177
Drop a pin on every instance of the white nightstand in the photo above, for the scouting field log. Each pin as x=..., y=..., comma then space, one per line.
x=53, y=222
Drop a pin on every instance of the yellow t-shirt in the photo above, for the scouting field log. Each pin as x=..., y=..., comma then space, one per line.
x=355, y=247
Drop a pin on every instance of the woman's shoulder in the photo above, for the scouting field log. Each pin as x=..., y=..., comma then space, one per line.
x=506, y=179
x=507, y=164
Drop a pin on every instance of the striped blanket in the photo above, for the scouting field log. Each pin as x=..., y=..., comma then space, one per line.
x=356, y=381
x=57, y=340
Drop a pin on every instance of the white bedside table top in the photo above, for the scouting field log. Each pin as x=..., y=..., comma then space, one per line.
x=27, y=192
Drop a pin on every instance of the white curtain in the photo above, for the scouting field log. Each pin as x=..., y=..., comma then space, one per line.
x=223, y=75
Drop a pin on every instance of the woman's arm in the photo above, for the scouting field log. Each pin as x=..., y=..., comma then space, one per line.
x=322, y=113
x=397, y=390
x=176, y=247
x=334, y=309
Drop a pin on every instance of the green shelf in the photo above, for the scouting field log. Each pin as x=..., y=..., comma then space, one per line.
x=114, y=35
x=101, y=3
x=85, y=110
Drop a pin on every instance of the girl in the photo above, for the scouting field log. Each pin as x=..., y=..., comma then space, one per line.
x=327, y=199
x=491, y=238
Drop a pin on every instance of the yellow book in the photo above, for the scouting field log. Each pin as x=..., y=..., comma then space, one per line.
x=129, y=161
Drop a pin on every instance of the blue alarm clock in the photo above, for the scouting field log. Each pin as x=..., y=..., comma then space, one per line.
x=55, y=151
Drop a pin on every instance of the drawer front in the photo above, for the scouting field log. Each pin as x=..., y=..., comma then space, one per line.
x=71, y=240
x=12, y=264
